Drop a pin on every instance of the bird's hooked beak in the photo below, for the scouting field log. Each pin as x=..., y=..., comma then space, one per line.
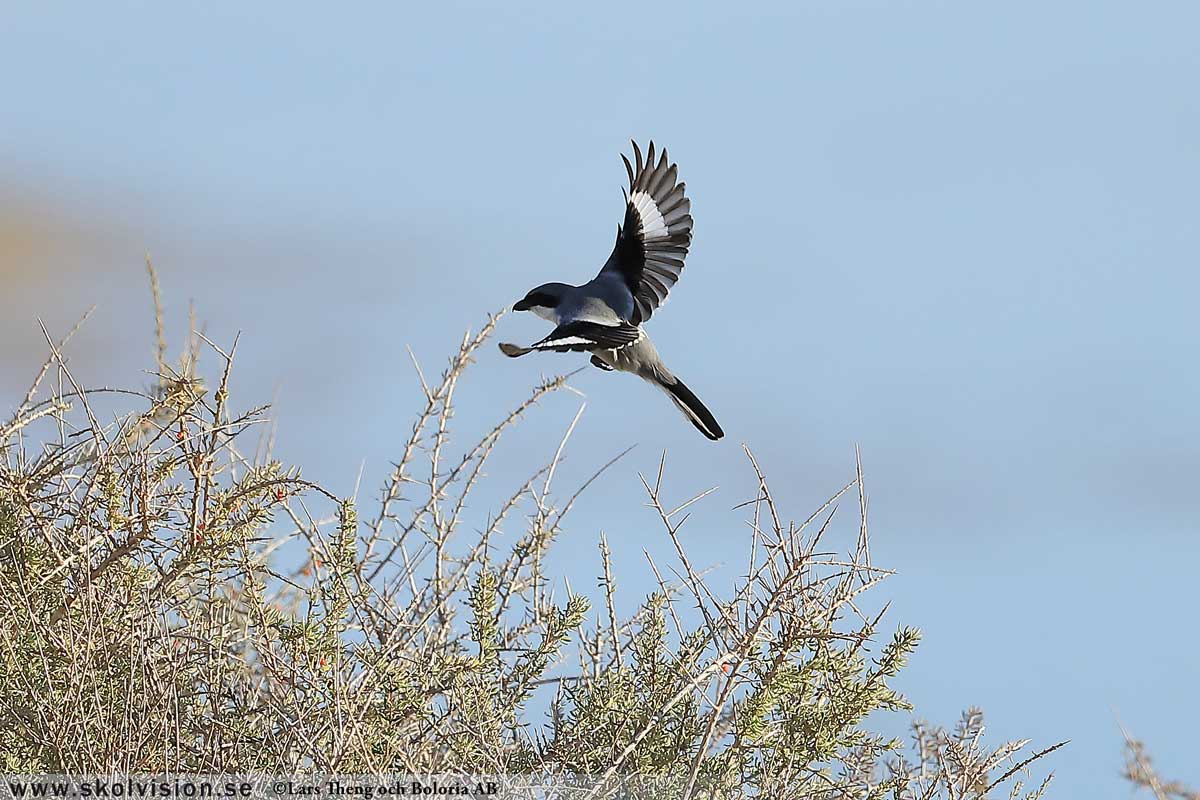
x=522, y=305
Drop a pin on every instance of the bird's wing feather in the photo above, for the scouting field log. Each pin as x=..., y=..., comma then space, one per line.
x=581, y=336
x=653, y=240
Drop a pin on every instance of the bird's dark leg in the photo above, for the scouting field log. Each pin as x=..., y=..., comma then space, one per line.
x=597, y=362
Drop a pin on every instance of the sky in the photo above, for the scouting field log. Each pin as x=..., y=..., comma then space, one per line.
x=960, y=237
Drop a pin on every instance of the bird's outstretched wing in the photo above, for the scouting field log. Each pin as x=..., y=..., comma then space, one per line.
x=653, y=240
x=580, y=337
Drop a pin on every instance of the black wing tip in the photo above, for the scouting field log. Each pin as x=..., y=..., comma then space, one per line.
x=629, y=170
x=645, y=158
x=651, y=168
x=513, y=350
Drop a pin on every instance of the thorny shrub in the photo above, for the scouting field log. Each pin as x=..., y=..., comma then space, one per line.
x=154, y=617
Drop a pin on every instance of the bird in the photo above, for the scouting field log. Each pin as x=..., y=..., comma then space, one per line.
x=605, y=316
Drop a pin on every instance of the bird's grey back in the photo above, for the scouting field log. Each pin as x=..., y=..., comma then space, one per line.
x=605, y=300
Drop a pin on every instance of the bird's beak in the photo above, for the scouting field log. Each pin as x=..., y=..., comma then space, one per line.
x=521, y=305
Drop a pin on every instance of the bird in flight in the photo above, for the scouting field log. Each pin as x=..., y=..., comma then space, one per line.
x=604, y=316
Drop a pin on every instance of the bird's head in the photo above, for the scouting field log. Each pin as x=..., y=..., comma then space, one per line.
x=542, y=300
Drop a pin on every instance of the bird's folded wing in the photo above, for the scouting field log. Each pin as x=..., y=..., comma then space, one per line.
x=654, y=238
x=587, y=336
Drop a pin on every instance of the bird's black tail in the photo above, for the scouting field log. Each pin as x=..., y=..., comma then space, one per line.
x=693, y=409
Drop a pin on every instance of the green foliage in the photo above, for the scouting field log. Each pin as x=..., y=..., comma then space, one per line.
x=167, y=603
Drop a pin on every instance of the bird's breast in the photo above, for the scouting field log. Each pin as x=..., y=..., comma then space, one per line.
x=548, y=314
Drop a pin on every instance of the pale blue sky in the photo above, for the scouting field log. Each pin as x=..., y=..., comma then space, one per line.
x=962, y=237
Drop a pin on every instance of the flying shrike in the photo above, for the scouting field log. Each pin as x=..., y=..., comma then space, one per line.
x=604, y=316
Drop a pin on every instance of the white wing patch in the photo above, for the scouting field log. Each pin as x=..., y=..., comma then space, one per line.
x=565, y=340
x=653, y=224
x=590, y=336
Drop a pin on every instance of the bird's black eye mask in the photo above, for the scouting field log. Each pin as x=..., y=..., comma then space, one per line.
x=536, y=299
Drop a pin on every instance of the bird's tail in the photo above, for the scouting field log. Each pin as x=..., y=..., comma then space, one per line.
x=692, y=408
